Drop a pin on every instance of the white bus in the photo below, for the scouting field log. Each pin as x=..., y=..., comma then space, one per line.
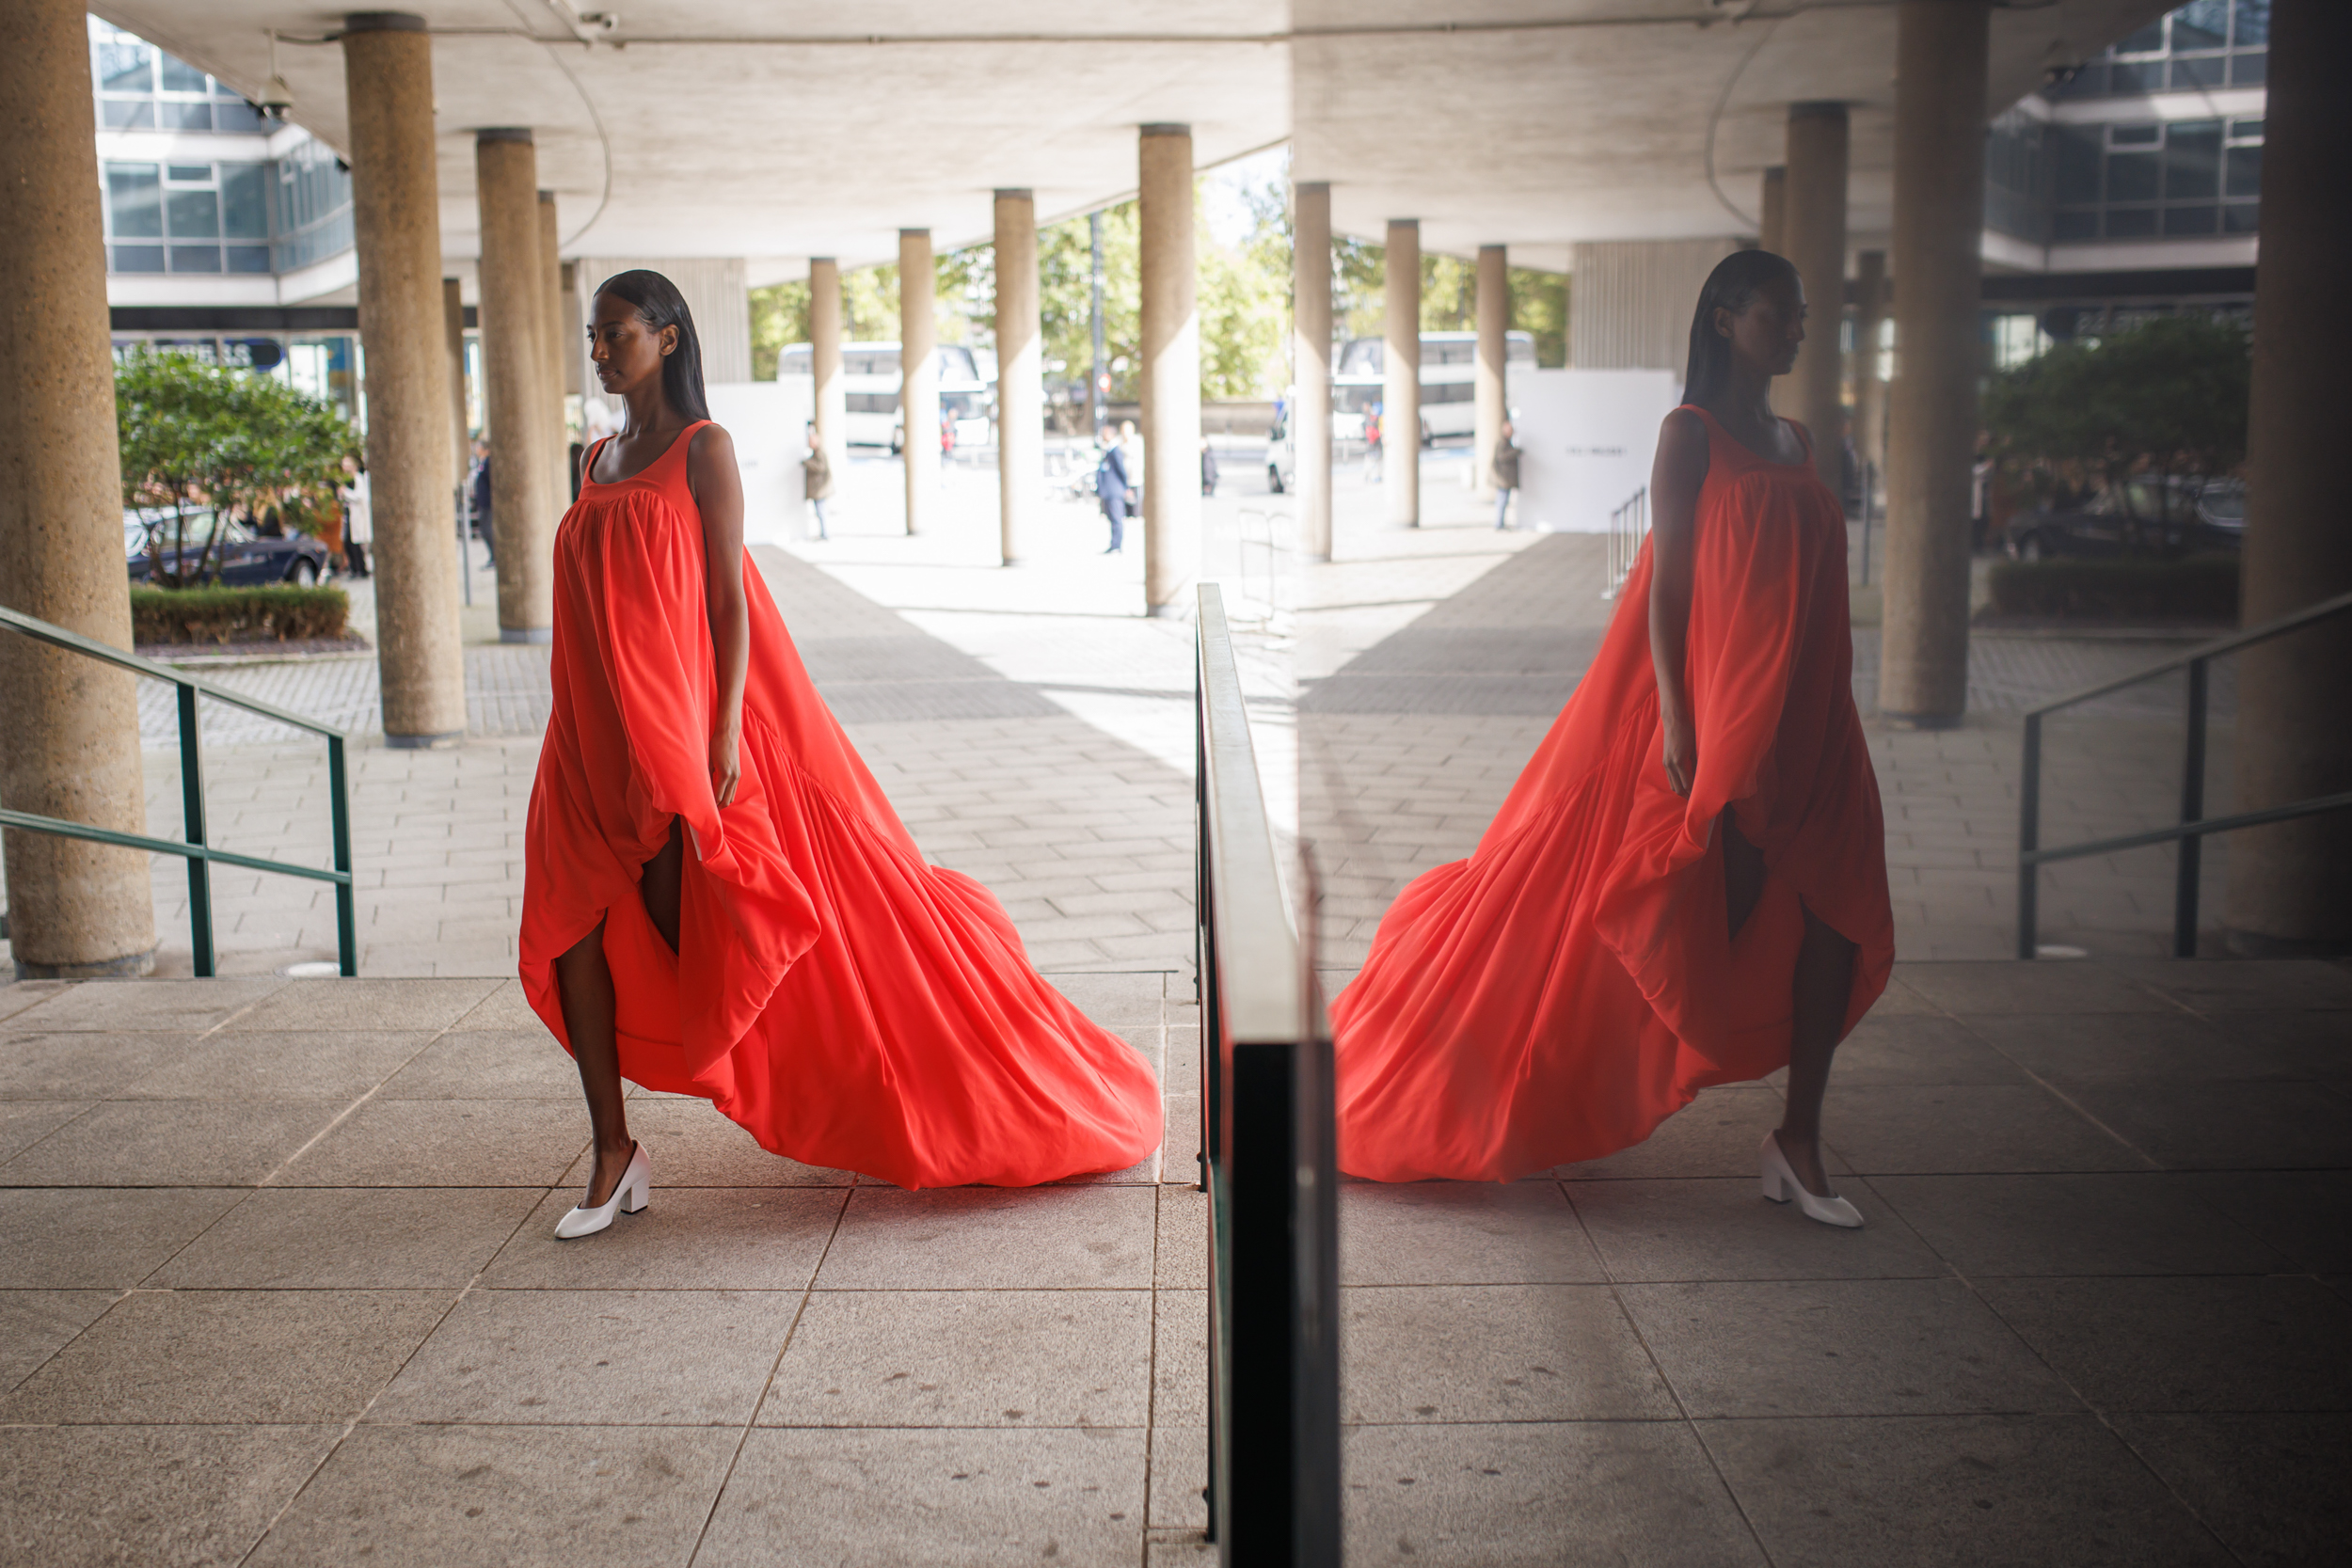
x=1448, y=382
x=871, y=378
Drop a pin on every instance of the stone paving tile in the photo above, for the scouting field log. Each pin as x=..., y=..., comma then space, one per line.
x=80, y=1496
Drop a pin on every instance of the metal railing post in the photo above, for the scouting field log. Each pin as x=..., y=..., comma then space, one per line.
x=346, y=913
x=2028, y=836
x=192, y=819
x=2190, y=865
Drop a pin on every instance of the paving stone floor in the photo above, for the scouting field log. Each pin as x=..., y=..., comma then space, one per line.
x=278, y=1288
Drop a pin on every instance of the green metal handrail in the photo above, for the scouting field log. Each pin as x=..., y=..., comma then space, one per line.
x=200, y=855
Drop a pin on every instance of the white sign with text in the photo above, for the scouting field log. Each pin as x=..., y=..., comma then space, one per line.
x=1586, y=440
x=769, y=423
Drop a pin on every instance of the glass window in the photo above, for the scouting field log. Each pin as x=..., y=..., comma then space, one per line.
x=238, y=116
x=125, y=67
x=2191, y=220
x=248, y=258
x=245, y=201
x=2245, y=130
x=176, y=115
x=128, y=113
x=2246, y=71
x=139, y=258
x=2245, y=175
x=2240, y=217
x=2129, y=79
x=2145, y=41
x=188, y=174
x=134, y=201
x=180, y=76
x=2076, y=224
x=2131, y=176
x=2192, y=160
x=2135, y=136
x=2077, y=164
x=195, y=258
x=2200, y=24
x=195, y=216
x=2206, y=71
x=2131, y=223
x=2253, y=22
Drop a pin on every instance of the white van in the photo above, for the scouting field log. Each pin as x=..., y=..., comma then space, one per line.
x=1449, y=372
x=871, y=378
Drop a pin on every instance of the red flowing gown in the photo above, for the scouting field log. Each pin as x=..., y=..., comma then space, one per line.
x=1572, y=984
x=848, y=1003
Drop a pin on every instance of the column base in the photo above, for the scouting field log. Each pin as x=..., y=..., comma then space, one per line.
x=2254, y=945
x=131, y=966
x=1167, y=612
x=526, y=634
x=442, y=741
x=1924, y=720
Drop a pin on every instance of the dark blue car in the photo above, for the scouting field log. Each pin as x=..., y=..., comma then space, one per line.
x=243, y=559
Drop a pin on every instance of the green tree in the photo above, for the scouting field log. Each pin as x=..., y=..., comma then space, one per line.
x=1065, y=270
x=1246, y=300
x=2165, y=399
x=1539, y=308
x=779, y=319
x=1449, y=297
x=198, y=437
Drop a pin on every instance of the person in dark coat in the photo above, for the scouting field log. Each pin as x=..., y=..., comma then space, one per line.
x=1113, y=488
x=1208, y=468
x=482, y=502
x=1506, y=471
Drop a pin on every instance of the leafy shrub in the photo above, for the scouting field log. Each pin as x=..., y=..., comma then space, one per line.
x=2200, y=588
x=276, y=613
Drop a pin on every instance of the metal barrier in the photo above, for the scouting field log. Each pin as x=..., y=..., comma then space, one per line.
x=1266, y=1162
x=1628, y=527
x=200, y=856
x=2194, y=825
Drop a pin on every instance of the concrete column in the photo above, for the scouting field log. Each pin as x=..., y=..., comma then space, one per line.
x=1494, y=324
x=1400, y=381
x=2287, y=883
x=1020, y=376
x=571, y=330
x=72, y=724
x=918, y=358
x=1813, y=227
x=1771, y=221
x=396, y=213
x=523, y=507
x=1171, y=372
x=1940, y=49
x=1870, y=392
x=550, y=276
x=454, y=338
x=824, y=363
x=1311, y=419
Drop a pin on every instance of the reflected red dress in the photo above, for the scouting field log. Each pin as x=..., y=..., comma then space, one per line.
x=1572, y=984
x=849, y=1005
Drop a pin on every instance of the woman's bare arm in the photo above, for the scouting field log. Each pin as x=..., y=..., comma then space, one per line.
x=1676, y=476
x=718, y=489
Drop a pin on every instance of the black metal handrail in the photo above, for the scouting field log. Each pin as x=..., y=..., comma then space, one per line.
x=1267, y=1160
x=200, y=855
x=2194, y=825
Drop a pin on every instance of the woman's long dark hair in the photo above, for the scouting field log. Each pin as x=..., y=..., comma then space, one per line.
x=1729, y=286
x=658, y=305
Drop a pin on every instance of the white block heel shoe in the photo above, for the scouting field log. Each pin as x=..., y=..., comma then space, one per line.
x=631, y=1194
x=1781, y=1184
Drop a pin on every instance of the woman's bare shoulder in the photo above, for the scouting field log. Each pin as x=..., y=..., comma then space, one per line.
x=712, y=440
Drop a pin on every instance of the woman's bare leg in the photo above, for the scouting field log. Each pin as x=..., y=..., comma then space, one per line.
x=583, y=984
x=658, y=883
x=1824, y=986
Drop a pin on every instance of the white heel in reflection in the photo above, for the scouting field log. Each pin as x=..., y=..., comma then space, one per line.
x=1781, y=1184
x=631, y=1194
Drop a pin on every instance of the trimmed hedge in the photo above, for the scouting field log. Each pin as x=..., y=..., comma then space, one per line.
x=276, y=613
x=2195, y=588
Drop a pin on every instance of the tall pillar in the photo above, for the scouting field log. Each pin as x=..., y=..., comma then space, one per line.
x=571, y=332
x=454, y=340
x=552, y=344
x=1171, y=370
x=396, y=214
x=1772, y=217
x=2287, y=883
x=72, y=724
x=1020, y=376
x=918, y=359
x=1494, y=325
x=523, y=505
x=1940, y=49
x=1400, y=380
x=1310, y=413
x=824, y=363
x=1870, y=392
x=1813, y=227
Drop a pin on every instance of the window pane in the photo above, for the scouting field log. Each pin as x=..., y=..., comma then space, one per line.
x=2246, y=71
x=184, y=116
x=248, y=258
x=2079, y=224
x=2191, y=220
x=2240, y=217
x=2245, y=130
x=129, y=114
x=239, y=116
x=2077, y=164
x=180, y=76
x=195, y=216
x=2136, y=78
x=124, y=67
x=2131, y=223
x=2246, y=172
x=132, y=201
x=2200, y=24
x=139, y=258
x=2131, y=176
x=2147, y=41
x=195, y=258
x=2192, y=161
x=2135, y=136
x=244, y=201
x=2253, y=22
x=188, y=174
x=2089, y=82
x=2204, y=72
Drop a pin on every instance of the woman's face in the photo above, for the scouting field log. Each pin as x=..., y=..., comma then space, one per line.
x=626, y=353
x=1765, y=335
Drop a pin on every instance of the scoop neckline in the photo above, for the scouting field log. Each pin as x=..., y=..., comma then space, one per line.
x=588, y=474
x=1805, y=462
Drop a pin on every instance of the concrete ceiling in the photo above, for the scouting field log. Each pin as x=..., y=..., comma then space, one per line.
x=1538, y=123
x=778, y=130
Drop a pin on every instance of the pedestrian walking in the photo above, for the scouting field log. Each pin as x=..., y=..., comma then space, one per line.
x=1113, y=487
x=817, y=479
x=358, y=518
x=1506, y=475
x=1372, y=444
x=1208, y=468
x=482, y=527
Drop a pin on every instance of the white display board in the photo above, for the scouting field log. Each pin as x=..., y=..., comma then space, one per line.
x=1586, y=440
x=769, y=422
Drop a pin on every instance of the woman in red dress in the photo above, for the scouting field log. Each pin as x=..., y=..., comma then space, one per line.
x=719, y=901
x=1688, y=884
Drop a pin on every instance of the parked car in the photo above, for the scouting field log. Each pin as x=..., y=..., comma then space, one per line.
x=245, y=559
x=2144, y=515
